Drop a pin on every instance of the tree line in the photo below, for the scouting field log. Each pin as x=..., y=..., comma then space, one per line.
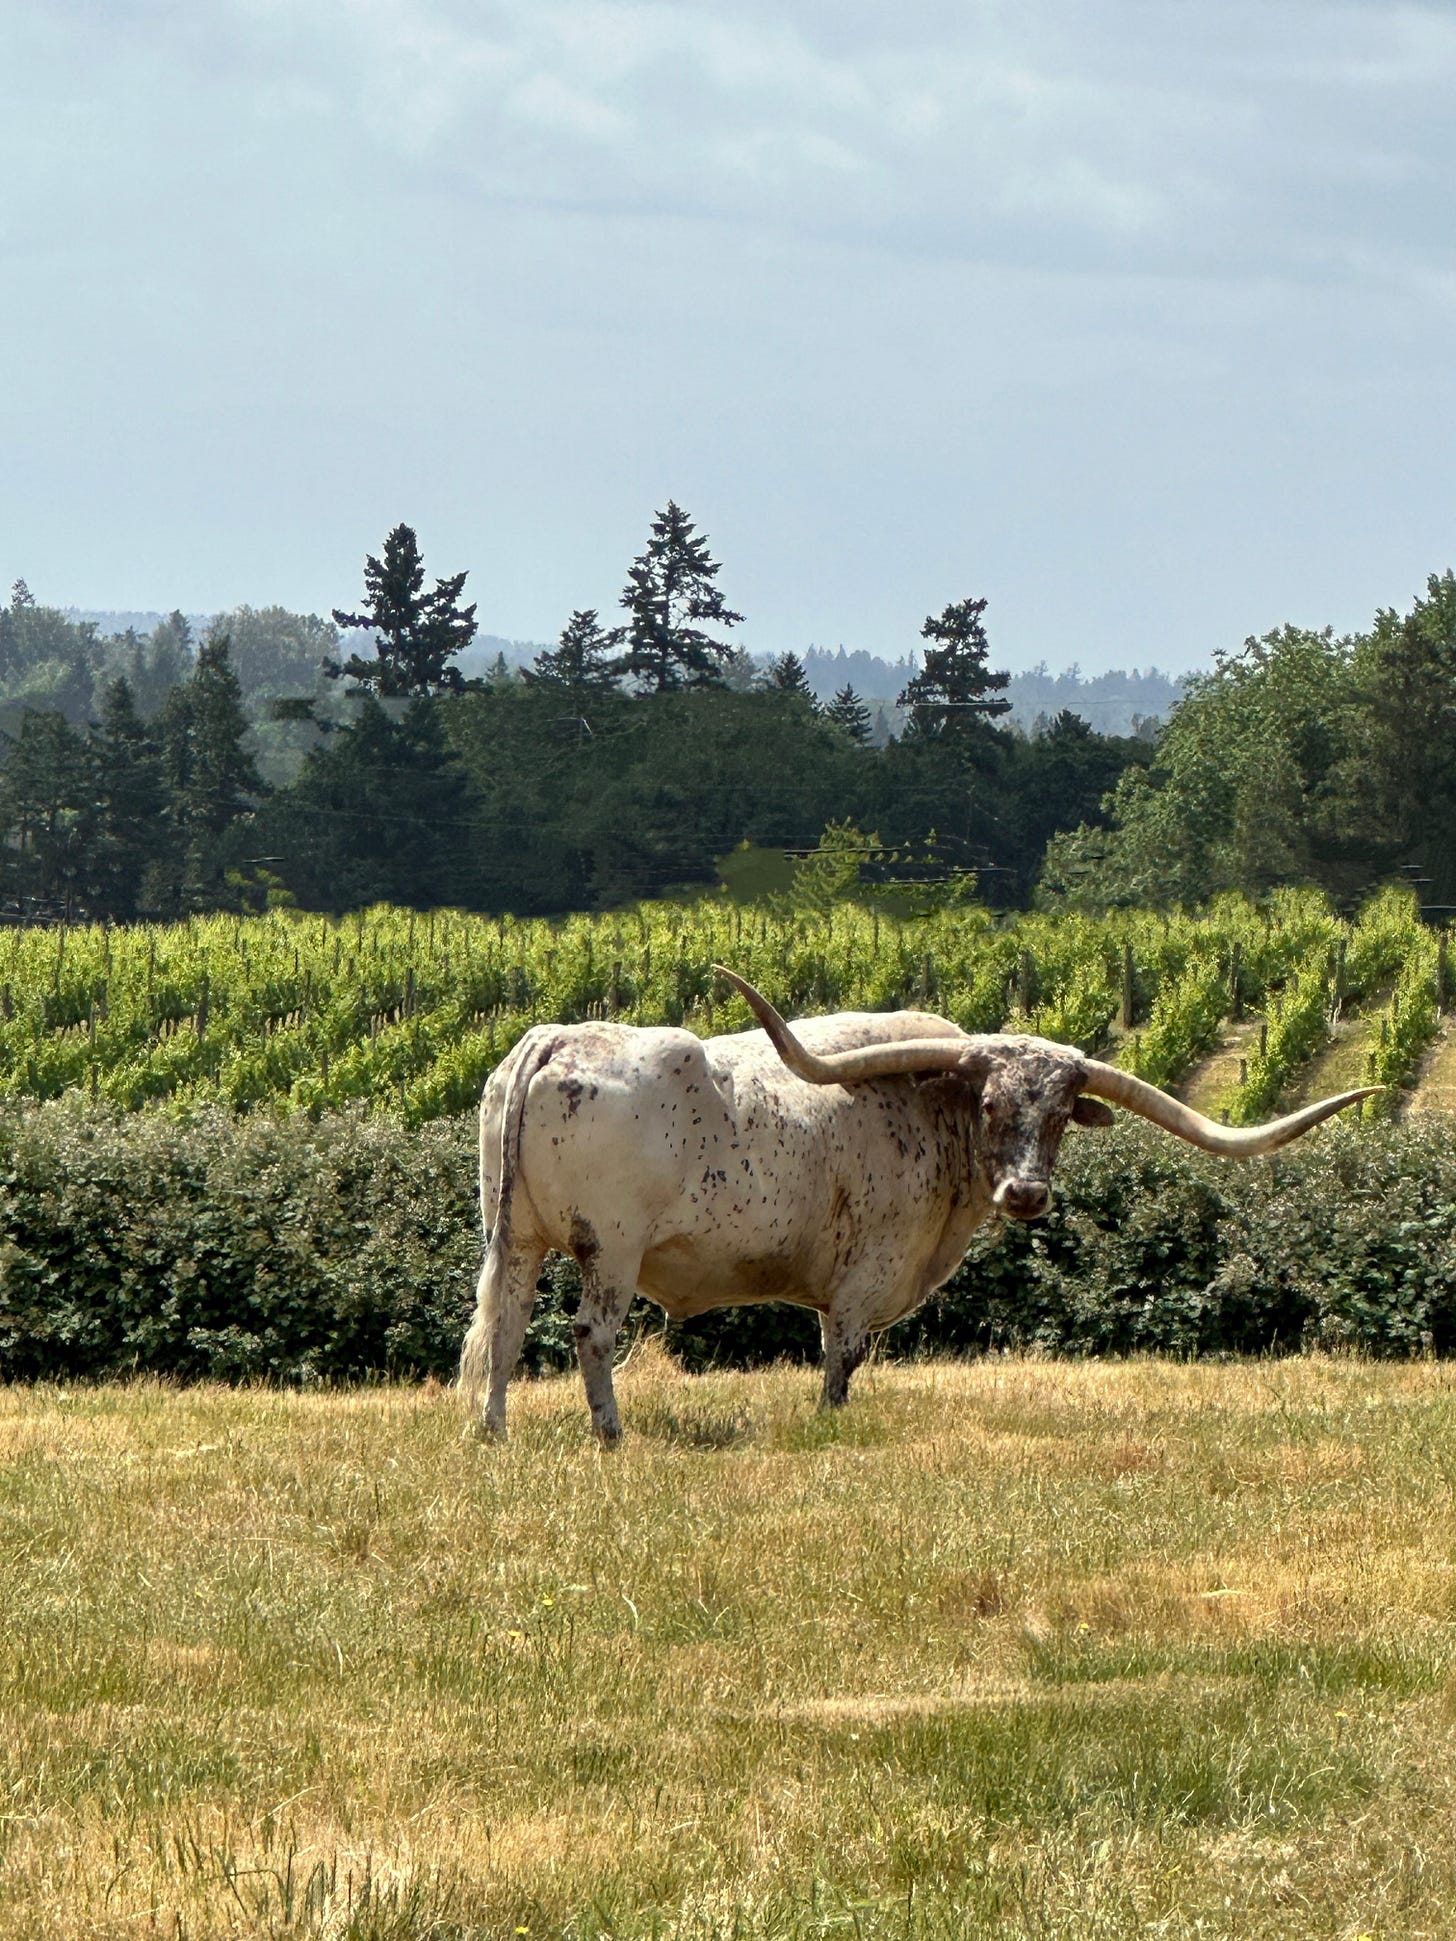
x=1302, y=757
x=156, y=775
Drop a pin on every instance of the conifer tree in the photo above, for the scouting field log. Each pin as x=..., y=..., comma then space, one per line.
x=158, y=663
x=669, y=591
x=209, y=774
x=126, y=783
x=45, y=809
x=850, y=714
x=948, y=698
x=416, y=634
x=378, y=814
x=582, y=663
x=786, y=675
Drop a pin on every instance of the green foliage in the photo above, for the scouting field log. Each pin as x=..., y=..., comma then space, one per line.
x=237, y=1248
x=1251, y=785
x=850, y=714
x=1406, y=673
x=299, y=1251
x=786, y=675
x=412, y=1012
x=1298, y=1025
x=1186, y=1015
x=583, y=665
x=951, y=695
x=382, y=809
x=1381, y=939
x=1410, y=1022
x=1303, y=757
x=1343, y=1240
x=417, y=635
x=276, y=652
x=46, y=811
x=211, y=781
x=670, y=593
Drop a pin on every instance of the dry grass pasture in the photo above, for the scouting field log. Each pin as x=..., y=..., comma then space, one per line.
x=1007, y=1649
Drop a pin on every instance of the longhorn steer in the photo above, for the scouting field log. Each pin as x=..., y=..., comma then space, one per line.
x=842, y=1165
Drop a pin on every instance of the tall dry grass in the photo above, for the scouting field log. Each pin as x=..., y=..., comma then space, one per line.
x=1006, y=1649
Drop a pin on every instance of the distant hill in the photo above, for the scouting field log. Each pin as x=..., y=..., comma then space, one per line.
x=110, y=621
x=482, y=653
x=1113, y=703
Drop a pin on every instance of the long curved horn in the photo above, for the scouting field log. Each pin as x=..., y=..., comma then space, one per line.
x=1241, y=1142
x=894, y=1060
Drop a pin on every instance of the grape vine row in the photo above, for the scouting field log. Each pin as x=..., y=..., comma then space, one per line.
x=411, y=1011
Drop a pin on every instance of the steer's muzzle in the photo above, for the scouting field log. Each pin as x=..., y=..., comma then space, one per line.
x=1022, y=1199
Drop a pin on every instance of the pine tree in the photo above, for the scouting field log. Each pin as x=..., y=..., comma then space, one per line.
x=786, y=675
x=159, y=663
x=669, y=591
x=45, y=809
x=417, y=634
x=126, y=771
x=383, y=811
x=581, y=664
x=209, y=774
x=850, y=714
x=948, y=697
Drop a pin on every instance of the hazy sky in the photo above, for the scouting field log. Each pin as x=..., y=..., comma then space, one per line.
x=1136, y=318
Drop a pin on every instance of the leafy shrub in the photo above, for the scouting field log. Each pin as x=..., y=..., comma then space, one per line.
x=238, y=1248
x=1345, y=1239
x=292, y=1250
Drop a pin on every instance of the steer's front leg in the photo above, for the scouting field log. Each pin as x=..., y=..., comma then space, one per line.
x=846, y=1343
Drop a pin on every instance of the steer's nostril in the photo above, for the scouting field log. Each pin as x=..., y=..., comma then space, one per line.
x=1023, y=1199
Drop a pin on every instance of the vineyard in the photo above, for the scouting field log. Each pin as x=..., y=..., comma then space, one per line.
x=410, y=1012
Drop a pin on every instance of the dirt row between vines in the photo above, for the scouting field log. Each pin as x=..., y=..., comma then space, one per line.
x=1343, y=1064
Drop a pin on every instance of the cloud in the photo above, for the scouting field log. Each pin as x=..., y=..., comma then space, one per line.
x=931, y=288
x=1147, y=136
x=550, y=103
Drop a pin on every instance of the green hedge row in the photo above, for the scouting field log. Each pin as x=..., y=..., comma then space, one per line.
x=336, y=1249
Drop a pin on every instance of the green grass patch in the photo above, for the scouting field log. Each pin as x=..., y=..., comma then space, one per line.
x=1010, y=1648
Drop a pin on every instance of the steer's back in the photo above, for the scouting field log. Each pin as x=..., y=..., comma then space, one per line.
x=705, y=1159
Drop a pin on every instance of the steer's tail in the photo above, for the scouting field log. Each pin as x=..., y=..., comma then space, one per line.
x=530, y=1055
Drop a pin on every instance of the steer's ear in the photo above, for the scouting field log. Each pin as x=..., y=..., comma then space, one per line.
x=1091, y=1112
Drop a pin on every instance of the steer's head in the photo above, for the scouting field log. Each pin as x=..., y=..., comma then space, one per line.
x=1028, y=1090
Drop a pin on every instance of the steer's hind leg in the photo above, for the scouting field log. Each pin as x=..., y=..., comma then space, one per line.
x=846, y=1343
x=505, y=1295
x=607, y=1289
